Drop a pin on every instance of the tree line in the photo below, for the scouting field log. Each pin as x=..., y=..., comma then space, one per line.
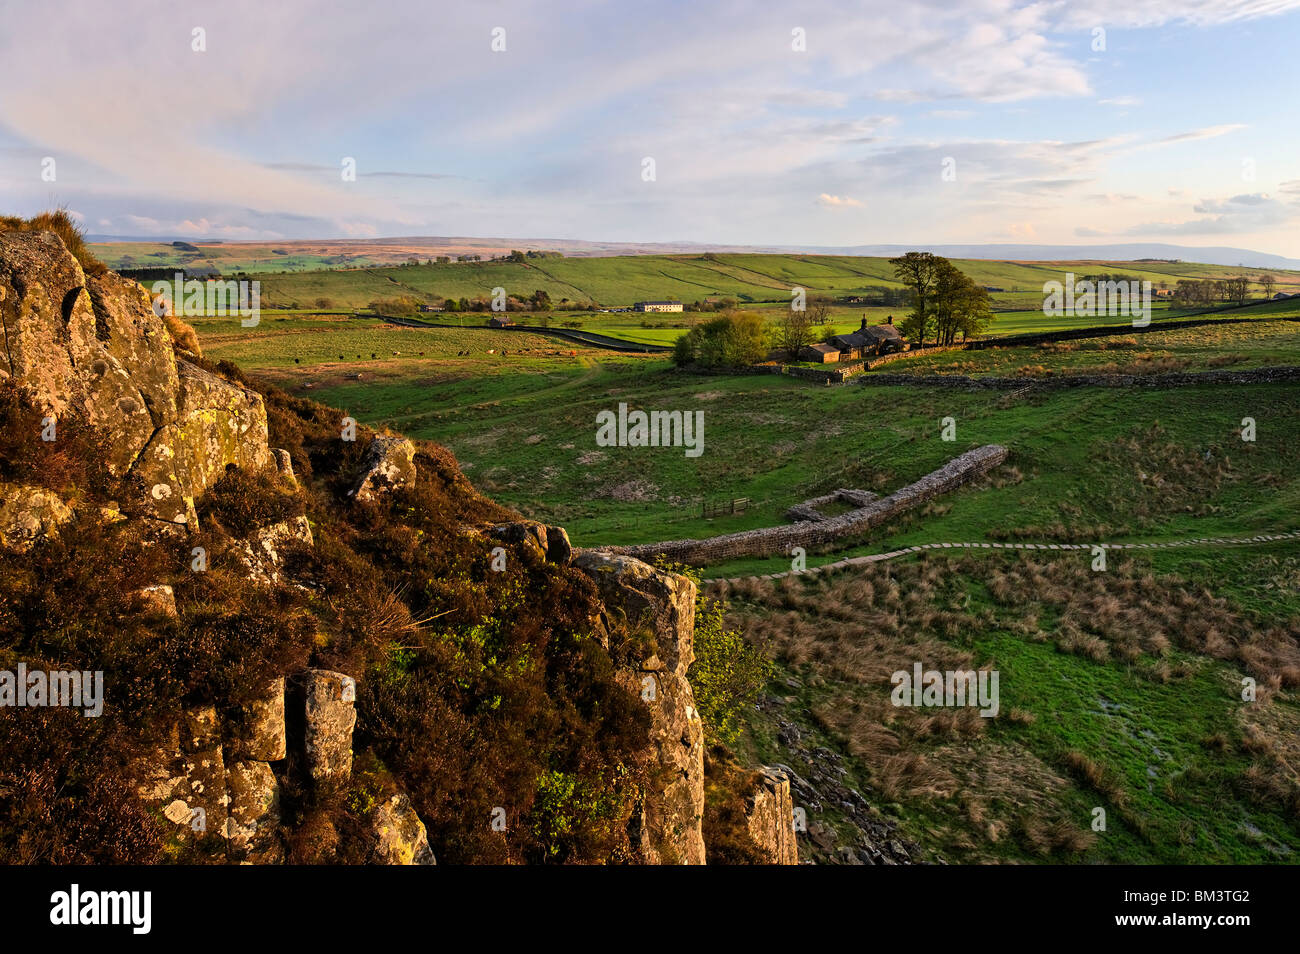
x=946, y=302
x=1209, y=291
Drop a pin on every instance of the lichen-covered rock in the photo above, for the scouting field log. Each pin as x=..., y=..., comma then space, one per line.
x=200, y=729
x=257, y=733
x=401, y=838
x=264, y=554
x=389, y=463
x=667, y=826
x=94, y=346
x=188, y=789
x=646, y=597
x=137, y=339
x=253, y=812
x=43, y=310
x=769, y=811
x=28, y=514
x=218, y=423
x=330, y=713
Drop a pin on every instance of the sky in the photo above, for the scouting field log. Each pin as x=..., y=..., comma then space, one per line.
x=711, y=121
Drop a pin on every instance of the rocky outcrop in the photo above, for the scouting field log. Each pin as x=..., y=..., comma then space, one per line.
x=770, y=815
x=227, y=777
x=184, y=779
x=400, y=836
x=27, y=514
x=543, y=542
x=330, y=714
x=667, y=826
x=94, y=345
x=389, y=463
x=213, y=781
x=218, y=781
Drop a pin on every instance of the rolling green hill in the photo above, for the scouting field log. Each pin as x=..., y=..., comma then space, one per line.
x=620, y=281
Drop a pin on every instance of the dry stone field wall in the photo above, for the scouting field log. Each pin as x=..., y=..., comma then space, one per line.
x=769, y=541
x=1257, y=539
x=1175, y=379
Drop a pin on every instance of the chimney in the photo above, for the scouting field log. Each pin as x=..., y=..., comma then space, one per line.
x=889, y=320
x=864, y=322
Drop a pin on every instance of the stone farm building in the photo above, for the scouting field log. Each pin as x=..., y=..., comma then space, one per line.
x=869, y=341
x=657, y=306
x=821, y=353
x=501, y=322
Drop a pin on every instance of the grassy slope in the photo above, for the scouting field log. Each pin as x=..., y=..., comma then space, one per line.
x=1087, y=463
x=524, y=427
x=1167, y=729
x=1189, y=349
x=621, y=280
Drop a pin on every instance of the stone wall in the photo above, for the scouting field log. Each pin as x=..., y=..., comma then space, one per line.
x=913, y=353
x=770, y=541
x=1172, y=380
x=1107, y=331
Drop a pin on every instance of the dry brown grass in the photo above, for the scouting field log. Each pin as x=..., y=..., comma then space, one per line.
x=182, y=334
x=1128, y=612
x=847, y=632
x=61, y=224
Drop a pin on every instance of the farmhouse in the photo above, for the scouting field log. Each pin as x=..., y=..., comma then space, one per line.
x=869, y=341
x=657, y=306
x=500, y=321
x=822, y=353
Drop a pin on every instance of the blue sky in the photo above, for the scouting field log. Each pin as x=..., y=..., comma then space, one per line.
x=1181, y=129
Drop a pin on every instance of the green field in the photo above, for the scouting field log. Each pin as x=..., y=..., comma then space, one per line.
x=759, y=282
x=622, y=280
x=523, y=427
x=1119, y=692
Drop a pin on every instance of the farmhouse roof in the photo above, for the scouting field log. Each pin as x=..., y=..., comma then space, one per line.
x=868, y=337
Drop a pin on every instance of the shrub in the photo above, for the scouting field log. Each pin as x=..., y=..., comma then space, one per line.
x=735, y=340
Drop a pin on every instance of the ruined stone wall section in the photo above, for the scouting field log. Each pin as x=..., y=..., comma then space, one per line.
x=770, y=541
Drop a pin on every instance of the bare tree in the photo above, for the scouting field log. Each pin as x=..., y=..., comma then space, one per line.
x=794, y=332
x=1268, y=282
